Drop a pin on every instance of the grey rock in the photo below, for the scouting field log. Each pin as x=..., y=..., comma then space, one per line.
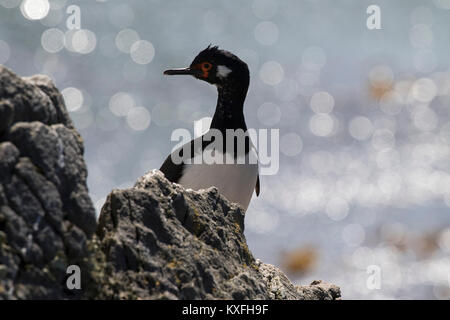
x=9, y=155
x=162, y=241
x=6, y=114
x=46, y=215
x=280, y=287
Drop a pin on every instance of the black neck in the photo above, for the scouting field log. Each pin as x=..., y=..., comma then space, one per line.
x=230, y=108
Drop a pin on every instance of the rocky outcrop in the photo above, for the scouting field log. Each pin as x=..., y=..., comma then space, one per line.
x=46, y=214
x=160, y=241
x=153, y=241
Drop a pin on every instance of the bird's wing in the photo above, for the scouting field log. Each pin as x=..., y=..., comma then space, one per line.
x=257, y=186
x=173, y=171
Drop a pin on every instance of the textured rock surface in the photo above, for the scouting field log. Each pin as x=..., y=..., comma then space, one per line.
x=155, y=240
x=46, y=214
x=161, y=241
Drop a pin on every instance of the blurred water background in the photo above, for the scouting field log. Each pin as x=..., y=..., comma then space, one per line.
x=363, y=189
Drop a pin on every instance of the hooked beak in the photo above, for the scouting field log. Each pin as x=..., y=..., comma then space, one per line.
x=192, y=72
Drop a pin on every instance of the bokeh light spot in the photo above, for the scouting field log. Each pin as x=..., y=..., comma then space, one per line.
x=142, y=52
x=35, y=9
x=138, y=118
x=52, y=40
x=322, y=102
x=266, y=33
x=337, y=208
x=291, y=144
x=271, y=73
x=121, y=103
x=360, y=128
x=73, y=98
x=424, y=90
x=321, y=125
x=391, y=103
x=269, y=114
x=125, y=39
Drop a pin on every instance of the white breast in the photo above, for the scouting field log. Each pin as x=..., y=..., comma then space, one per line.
x=235, y=181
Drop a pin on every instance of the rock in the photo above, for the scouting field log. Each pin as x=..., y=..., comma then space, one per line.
x=153, y=241
x=160, y=241
x=46, y=215
x=281, y=288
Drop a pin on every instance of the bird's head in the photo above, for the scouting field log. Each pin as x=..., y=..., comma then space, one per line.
x=218, y=67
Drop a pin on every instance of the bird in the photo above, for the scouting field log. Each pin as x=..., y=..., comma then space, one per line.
x=238, y=180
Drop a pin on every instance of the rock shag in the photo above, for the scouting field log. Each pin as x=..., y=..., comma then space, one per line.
x=235, y=179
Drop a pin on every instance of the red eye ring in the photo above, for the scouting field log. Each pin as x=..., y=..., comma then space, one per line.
x=206, y=66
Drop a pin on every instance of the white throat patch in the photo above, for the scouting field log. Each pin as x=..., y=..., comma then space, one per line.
x=222, y=71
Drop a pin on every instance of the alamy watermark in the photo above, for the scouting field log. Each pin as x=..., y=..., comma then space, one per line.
x=73, y=281
x=253, y=146
x=73, y=21
x=373, y=21
x=373, y=281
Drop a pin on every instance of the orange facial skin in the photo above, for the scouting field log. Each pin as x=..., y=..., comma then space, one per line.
x=205, y=67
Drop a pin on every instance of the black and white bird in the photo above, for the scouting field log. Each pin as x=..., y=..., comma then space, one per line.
x=235, y=181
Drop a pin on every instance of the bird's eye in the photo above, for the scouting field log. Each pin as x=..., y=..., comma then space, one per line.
x=206, y=66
